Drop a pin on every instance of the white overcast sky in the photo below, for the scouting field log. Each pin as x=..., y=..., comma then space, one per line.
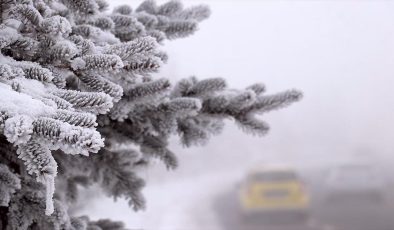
x=339, y=53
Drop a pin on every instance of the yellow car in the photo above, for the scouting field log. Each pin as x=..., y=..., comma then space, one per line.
x=273, y=194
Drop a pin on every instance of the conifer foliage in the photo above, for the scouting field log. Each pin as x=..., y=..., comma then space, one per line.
x=79, y=105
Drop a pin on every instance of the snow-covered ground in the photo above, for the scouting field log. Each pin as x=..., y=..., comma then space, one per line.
x=176, y=205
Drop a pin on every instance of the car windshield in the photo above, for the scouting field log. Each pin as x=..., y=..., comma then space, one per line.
x=274, y=176
x=354, y=173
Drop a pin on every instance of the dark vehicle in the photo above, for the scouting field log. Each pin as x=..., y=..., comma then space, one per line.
x=356, y=183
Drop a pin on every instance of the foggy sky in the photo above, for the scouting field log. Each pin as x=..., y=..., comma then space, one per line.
x=339, y=53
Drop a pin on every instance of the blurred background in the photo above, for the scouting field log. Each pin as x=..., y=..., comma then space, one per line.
x=327, y=162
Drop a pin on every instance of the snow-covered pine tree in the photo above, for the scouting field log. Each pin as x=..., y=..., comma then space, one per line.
x=76, y=79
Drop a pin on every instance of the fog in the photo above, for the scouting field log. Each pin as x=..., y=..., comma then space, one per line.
x=339, y=53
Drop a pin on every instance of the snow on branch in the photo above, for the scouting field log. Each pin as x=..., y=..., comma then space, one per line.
x=76, y=79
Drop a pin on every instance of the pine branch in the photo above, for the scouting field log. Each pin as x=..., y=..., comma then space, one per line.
x=64, y=62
